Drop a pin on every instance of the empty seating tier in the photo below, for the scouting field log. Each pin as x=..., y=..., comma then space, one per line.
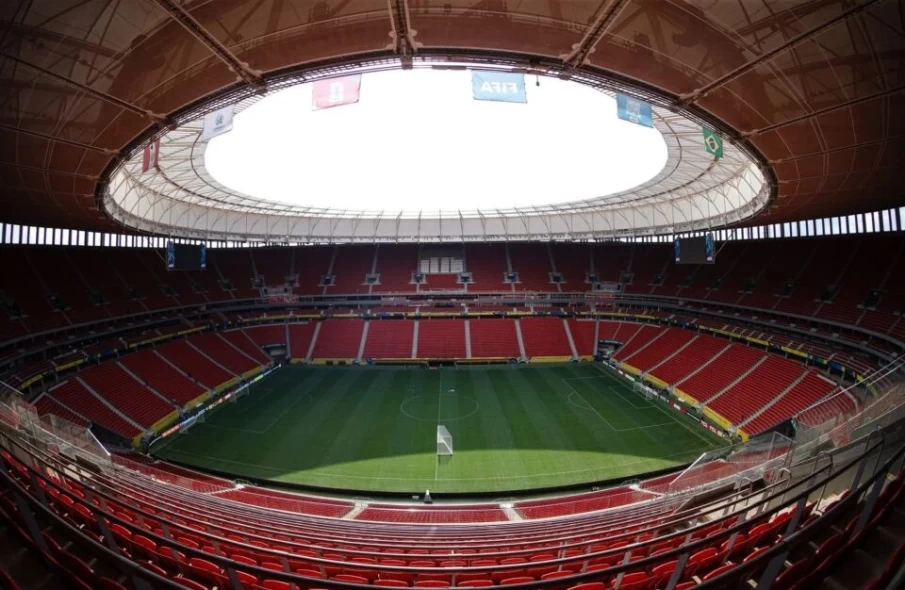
x=767, y=381
x=441, y=338
x=719, y=374
x=73, y=395
x=129, y=396
x=691, y=358
x=493, y=338
x=545, y=337
x=389, y=339
x=194, y=364
x=300, y=339
x=223, y=353
x=669, y=343
x=583, y=335
x=148, y=366
x=240, y=340
x=338, y=339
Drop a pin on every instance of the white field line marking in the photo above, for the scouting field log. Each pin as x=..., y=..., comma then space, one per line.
x=616, y=390
x=675, y=419
x=439, y=405
x=589, y=406
x=269, y=426
x=451, y=479
x=619, y=429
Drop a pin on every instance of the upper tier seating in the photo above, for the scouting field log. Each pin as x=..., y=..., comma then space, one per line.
x=487, y=265
x=439, y=338
x=545, y=337
x=532, y=263
x=389, y=339
x=311, y=264
x=493, y=338
x=338, y=339
x=572, y=261
x=56, y=288
x=273, y=264
x=237, y=266
x=156, y=372
x=350, y=266
x=129, y=396
x=441, y=282
x=395, y=264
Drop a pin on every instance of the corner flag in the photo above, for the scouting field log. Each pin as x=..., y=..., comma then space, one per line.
x=713, y=143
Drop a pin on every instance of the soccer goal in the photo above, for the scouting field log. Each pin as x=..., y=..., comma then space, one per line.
x=444, y=443
x=647, y=392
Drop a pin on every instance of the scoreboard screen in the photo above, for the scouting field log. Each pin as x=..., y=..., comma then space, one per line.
x=186, y=256
x=699, y=250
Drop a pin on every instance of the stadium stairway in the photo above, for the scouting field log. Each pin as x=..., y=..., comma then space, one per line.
x=876, y=560
x=25, y=567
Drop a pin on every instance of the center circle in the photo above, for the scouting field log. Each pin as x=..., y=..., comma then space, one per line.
x=415, y=411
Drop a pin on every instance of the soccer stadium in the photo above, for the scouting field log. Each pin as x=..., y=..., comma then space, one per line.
x=543, y=294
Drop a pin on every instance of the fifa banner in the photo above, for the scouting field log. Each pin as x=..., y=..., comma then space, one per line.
x=217, y=123
x=634, y=110
x=498, y=86
x=151, y=155
x=335, y=92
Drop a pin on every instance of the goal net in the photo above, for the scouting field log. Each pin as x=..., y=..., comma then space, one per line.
x=647, y=392
x=444, y=442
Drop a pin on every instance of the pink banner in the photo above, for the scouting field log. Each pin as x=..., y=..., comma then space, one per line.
x=335, y=92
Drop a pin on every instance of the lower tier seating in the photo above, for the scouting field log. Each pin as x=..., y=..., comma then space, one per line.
x=156, y=372
x=766, y=382
x=583, y=336
x=493, y=338
x=545, y=337
x=389, y=339
x=129, y=396
x=73, y=394
x=441, y=338
x=338, y=339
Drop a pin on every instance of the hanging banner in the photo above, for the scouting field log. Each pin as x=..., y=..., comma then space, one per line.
x=713, y=143
x=150, y=157
x=217, y=123
x=335, y=92
x=634, y=110
x=499, y=86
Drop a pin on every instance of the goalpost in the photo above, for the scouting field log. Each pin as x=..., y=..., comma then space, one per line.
x=648, y=392
x=444, y=442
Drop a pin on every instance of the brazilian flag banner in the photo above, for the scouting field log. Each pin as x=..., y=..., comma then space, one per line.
x=713, y=143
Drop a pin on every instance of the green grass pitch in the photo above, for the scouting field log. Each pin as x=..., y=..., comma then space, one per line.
x=374, y=429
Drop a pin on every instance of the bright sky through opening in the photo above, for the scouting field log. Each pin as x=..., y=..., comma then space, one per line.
x=418, y=141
